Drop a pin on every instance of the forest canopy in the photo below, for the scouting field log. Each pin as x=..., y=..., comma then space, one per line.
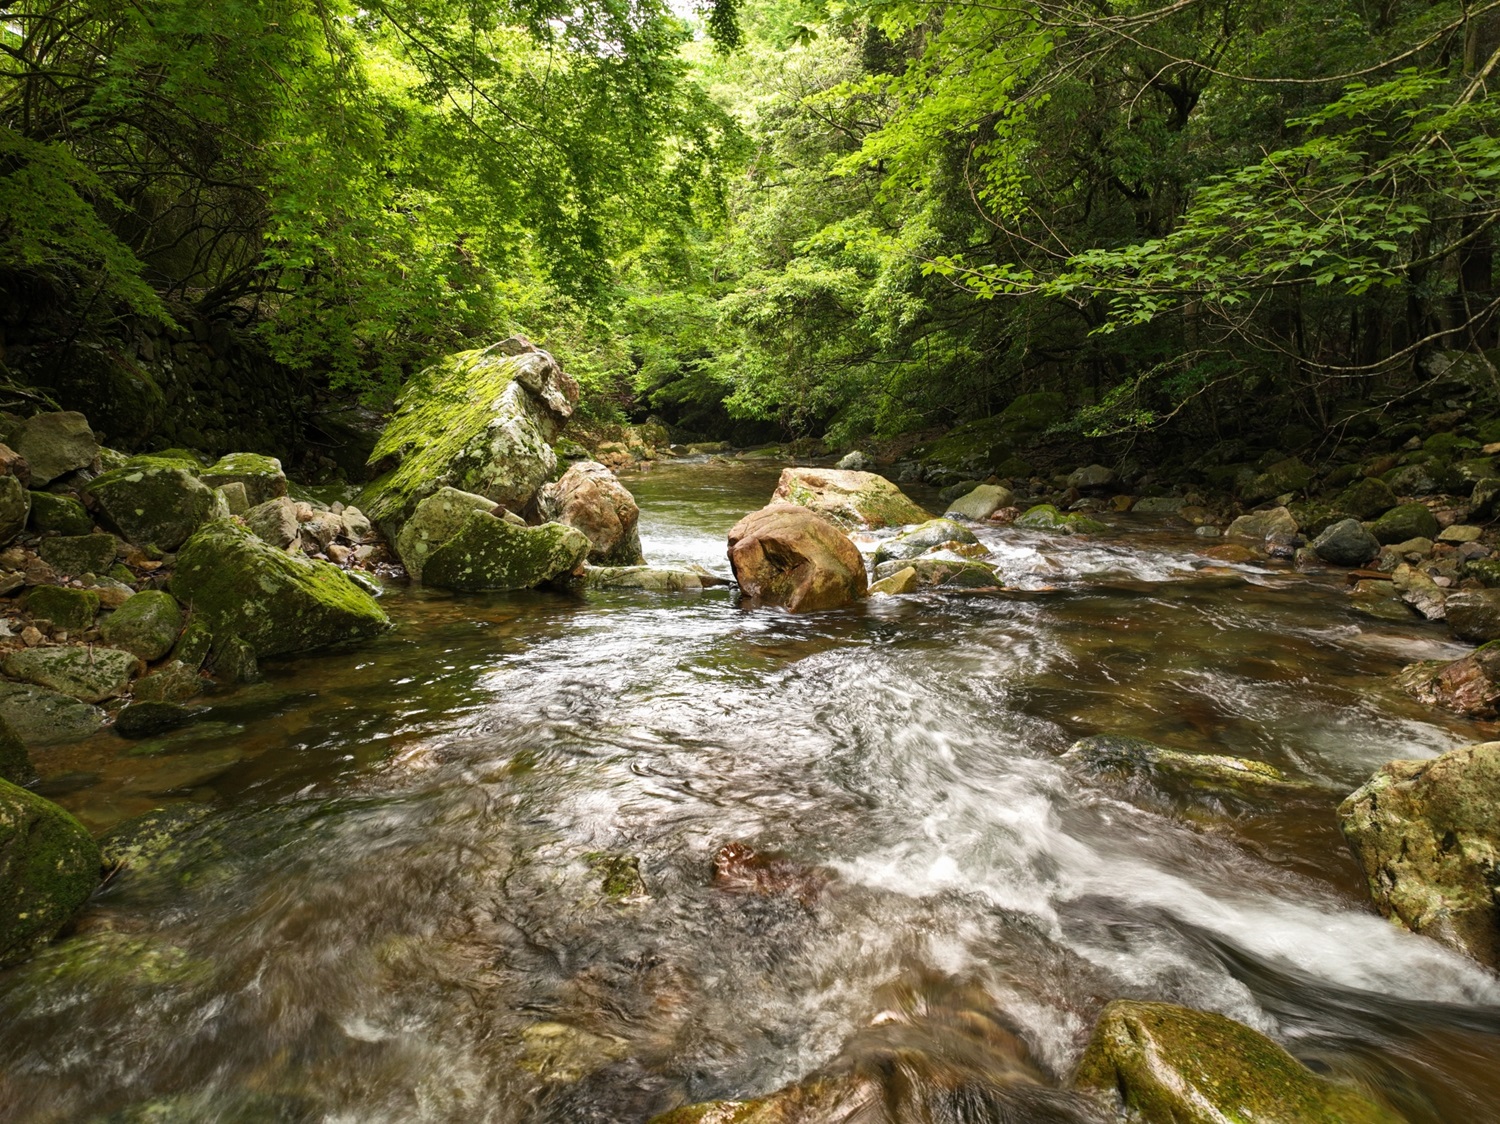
x=850, y=218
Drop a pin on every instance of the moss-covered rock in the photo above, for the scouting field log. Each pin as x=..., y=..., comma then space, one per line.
x=88, y=674
x=1046, y=517
x=650, y=579
x=77, y=555
x=194, y=644
x=48, y=867
x=173, y=681
x=15, y=762
x=433, y=522
x=479, y=421
x=148, y=624
x=234, y=661
x=62, y=515
x=1290, y=475
x=277, y=602
x=1175, y=1064
x=1259, y=526
x=850, y=499
x=943, y=570
x=15, y=508
x=147, y=719
x=156, y=501
x=1367, y=498
x=490, y=553
x=922, y=538
x=54, y=444
x=71, y=609
x=1405, y=521
x=44, y=717
x=1034, y=413
x=261, y=476
x=1177, y=772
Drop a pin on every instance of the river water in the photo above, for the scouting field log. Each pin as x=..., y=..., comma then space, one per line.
x=382, y=900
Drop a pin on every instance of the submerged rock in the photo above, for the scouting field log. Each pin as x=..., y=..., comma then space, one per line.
x=148, y=625
x=980, y=503
x=1426, y=836
x=1209, y=774
x=88, y=674
x=1346, y=543
x=15, y=762
x=277, y=602
x=55, y=444
x=260, y=476
x=943, y=570
x=1175, y=1064
x=850, y=499
x=922, y=538
x=649, y=578
x=901, y=581
x=147, y=719
x=156, y=501
x=77, y=555
x=590, y=498
x=479, y=421
x=48, y=867
x=788, y=555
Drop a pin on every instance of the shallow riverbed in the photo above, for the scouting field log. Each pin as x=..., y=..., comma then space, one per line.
x=383, y=901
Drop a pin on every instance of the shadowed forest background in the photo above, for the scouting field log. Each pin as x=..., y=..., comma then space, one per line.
x=225, y=224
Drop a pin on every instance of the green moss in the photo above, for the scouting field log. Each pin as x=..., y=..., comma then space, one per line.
x=77, y=555
x=86, y=673
x=156, y=502
x=15, y=762
x=1175, y=1064
x=261, y=476
x=488, y=553
x=48, y=868
x=1208, y=773
x=71, y=609
x=147, y=624
x=1046, y=517
x=277, y=603
x=63, y=515
x=620, y=875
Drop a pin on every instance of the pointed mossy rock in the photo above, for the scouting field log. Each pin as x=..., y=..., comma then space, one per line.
x=70, y=609
x=488, y=553
x=76, y=555
x=89, y=674
x=480, y=421
x=277, y=602
x=48, y=867
x=156, y=501
x=61, y=515
x=261, y=476
x=147, y=624
x=1170, y=1063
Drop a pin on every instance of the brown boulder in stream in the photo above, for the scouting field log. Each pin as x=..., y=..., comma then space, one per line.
x=850, y=499
x=591, y=499
x=789, y=556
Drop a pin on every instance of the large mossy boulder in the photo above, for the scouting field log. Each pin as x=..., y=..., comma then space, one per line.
x=1427, y=837
x=1046, y=517
x=853, y=500
x=480, y=421
x=55, y=444
x=48, y=867
x=276, y=602
x=62, y=515
x=88, y=674
x=156, y=501
x=260, y=476
x=1290, y=475
x=490, y=553
x=72, y=610
x=922, y=538
x=15, y=508
x=77, y=555
x=40, y=716
x=1367, y=498
x=590, y=498
x=148, y=624
x=788, y=555
x=1405, y=521
x=433, y=522
x=1175, y=1065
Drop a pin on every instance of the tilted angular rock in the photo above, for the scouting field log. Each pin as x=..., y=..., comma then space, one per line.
x=55, y=444
x=942, y=570
x=652, y=579
x=276, y=602
x=77, y=555
x=1367, y=498
x=15, y=508
x=61, y=514
x=1046, y=517
x=433, y=522
x=49, y=866
x=1091, y=476
x=922, y=538
x=488, y=553
x=88, y=674
x=850, y=499
x=1259, y=526
x=274, y=521
x=1474, y=614
x=1426, y=835
x=1170, y=1063
x=148, y=624
x=479, y=421
x=1469, y=686
x=787, y=555
x=156, y=501
x=1346, y=543
x=590, y=498
x=261, y=476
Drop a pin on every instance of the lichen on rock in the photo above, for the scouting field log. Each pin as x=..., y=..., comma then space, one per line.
x=48, y=867
x=488, y=553
x=852, y=500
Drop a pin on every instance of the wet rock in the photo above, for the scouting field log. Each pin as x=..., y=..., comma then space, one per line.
x=61, y=515
x=156, y=501
x=788, y=555
x=356, y=524
x=1474, y=614
x=88, y=674
x=1346, y=543
x=480, y=421
x=489, y=553
x=1405, y=521
x=15, y=762
x=1426, y=836
x=855, y=462
x=619, y=875
x=1262, y=526
x=15, y=508
x=277, y=602
x=274, y=522
x=54, y=444
x=50, y=866
x=922, y=538
x=1470, y=686
x=943, y=570
x=1209, y=774
x=1046, y=517
x=1379, y=599
x=174, y=681
x=1093, y=476
x=850, y=499
x=77, y=555
x=901, y=581
x=591, y=499
x=1171, y=1063
x=194, y=644
x=147, y=719
x=433, y=522
x=980, y=503
x=651, y=579
x=234, y=661
x=44, y=717
x=1233, y=553
x=148, y=625
x=1366, y=499
x=1484, y=500
x=560, y=1053
x=71, y=610
x=1419, y=591
x=739, y=868
x=260, y=476
x=151, y=837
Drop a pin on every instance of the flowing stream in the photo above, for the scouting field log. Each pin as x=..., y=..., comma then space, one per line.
x=383, y=896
